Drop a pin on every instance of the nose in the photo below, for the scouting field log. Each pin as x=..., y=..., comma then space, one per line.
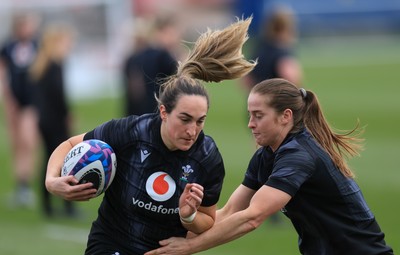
x=191, y=130
x=251, y=124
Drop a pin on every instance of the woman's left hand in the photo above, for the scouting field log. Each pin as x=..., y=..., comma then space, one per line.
x=190, y=199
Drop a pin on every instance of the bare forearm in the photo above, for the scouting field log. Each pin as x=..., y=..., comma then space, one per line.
x=238, y=201
x=201, y=223
x=55, y=164
x=235, y=224
x=56, y=159
x=241, y=222
x=222, y=232
x=66, y=187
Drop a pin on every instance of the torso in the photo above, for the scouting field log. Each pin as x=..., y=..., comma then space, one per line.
x=18, y=56
x=143, y=199
x=326, y=208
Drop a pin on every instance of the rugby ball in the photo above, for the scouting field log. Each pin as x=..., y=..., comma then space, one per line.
x=91, y=161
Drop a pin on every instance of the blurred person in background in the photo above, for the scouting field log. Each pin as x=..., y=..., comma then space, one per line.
x=301, y=170
x=47, y=75
x=154, y=58
x=274, y=49
x=16, y=55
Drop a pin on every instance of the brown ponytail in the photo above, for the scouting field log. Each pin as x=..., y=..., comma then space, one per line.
x=337, y=145
x=307, y=112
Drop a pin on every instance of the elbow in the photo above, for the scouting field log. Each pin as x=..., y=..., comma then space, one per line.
x=198, y=231
x=200, y=228
x=47, y=185
x=254, y=223
x=255, y=219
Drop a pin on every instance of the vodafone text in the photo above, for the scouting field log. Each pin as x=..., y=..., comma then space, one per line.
x=154, y=208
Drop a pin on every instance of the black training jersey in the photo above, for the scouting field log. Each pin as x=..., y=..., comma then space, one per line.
x=140, y=208
x=18, y=57
x=143, y=71
x=327, y=209
x=268, y=55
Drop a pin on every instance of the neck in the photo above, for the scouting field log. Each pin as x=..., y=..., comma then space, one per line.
x=280, y=137
x=164, y=137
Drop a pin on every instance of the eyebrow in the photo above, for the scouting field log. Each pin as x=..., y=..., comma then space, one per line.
x=190, y=116
x=255, y=111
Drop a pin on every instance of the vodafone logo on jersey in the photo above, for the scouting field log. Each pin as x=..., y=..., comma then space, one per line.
x=160, y=186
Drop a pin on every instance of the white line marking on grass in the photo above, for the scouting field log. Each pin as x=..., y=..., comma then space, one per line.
x=63, y=233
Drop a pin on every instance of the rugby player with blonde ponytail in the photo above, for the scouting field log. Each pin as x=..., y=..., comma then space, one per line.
x=216, y=56
x=169, y=175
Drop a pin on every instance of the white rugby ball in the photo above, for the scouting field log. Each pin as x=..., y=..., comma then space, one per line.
x=91, y=161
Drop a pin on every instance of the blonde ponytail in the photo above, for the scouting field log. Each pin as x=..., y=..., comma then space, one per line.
x=217, y=55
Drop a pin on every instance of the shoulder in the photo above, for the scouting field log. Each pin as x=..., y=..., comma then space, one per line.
x=121, y=132
x=208, y=143
x=205, y=149
x=262, y=158
x=261, y=153
x=6, y=47
x=298, y=149
x=139, y=124
x=294, y=164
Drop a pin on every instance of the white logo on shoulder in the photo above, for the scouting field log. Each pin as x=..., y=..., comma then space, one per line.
x=144, y=154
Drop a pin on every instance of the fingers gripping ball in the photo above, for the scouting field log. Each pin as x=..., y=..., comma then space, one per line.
x=91, y=161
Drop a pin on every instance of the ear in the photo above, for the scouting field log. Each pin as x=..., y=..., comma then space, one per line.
x=163, y=112
x=287, y=116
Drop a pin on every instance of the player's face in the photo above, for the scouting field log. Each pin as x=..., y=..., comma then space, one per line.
x=268, y=127
x=181, y=127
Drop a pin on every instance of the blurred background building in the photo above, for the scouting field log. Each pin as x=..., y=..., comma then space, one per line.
x=333, y=17
x=105, y=27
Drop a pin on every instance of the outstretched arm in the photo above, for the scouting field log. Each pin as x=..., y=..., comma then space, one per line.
x=66, y=187
x=238, y=201
x=264, y=203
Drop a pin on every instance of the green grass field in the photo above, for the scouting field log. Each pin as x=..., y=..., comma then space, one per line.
x=354, y=79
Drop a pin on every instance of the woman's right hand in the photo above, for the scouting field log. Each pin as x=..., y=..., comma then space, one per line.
x=69, y=188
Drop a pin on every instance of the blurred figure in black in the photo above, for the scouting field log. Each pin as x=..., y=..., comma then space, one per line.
x=154, y=58
x=16, y=55
x=47, y=74
x=275, y=49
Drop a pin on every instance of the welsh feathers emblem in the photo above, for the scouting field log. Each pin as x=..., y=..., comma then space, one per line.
x=187, y=170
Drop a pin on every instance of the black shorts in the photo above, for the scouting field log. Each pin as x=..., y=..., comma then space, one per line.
x=103, y=250
x=99, y=244
x=23, y=93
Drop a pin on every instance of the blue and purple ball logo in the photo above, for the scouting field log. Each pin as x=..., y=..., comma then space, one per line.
x=91, y=161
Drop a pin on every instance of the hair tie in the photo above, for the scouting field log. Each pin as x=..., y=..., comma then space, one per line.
x=303, y=92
